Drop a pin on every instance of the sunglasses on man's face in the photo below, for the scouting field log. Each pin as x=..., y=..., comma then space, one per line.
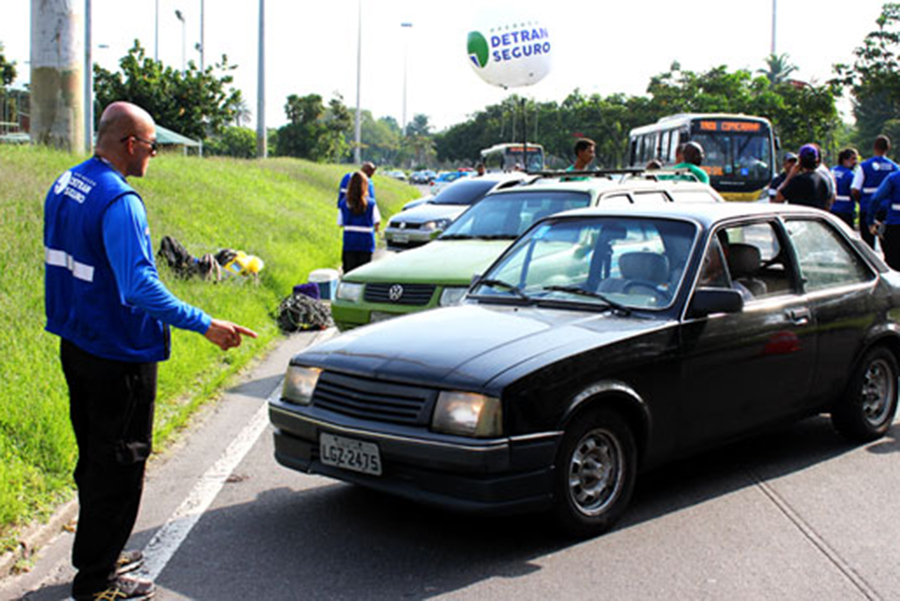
x=153, y=144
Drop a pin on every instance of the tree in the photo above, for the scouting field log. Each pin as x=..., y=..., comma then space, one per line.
x=874, y=77
x=7, y=69
x=193, y=103
x=778, y=69
x=238, y=142
x=314, y=132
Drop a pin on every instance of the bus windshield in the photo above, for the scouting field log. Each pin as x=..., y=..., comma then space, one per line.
x=745, y=157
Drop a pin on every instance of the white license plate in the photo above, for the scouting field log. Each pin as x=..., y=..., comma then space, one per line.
x=400, y=238
x=381, y=316
x=349, y=454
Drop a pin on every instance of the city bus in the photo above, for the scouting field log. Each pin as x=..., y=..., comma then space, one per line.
x=505, y=157
x=739, y=149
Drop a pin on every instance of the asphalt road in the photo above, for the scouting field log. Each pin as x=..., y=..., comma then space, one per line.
x=794, y=514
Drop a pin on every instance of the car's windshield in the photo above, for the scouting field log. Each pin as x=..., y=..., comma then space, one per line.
x=509, y=214
x=463, y=192
x=608, y=262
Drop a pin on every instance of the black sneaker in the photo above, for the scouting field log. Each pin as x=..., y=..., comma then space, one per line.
x=129, y=561
x=122, y=587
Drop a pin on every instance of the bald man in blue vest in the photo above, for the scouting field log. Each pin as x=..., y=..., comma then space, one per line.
x=104, y=299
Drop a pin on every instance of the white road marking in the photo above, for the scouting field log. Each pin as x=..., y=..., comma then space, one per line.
x=169, y=538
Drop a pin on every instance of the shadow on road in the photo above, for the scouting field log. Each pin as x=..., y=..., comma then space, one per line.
x=338, y=541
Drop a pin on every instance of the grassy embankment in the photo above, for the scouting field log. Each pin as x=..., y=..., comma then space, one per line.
x=282, y=210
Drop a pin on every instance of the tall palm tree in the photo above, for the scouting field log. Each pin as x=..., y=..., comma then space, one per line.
x=242, y=113
x=778, y=69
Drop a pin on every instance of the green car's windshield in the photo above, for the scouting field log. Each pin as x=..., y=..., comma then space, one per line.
x=608, y=262
x=508, y=214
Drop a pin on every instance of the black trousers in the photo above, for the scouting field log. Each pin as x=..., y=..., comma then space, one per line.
x=864, y=232
x=846, y=218
x=891, y=244
x=354, y=258
x=111, y=408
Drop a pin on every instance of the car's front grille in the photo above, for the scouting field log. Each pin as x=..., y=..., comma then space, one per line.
x=370, y=399
x=406, y=225
x=399, y=294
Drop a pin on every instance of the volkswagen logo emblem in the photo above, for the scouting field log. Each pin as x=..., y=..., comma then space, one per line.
x=395, y=293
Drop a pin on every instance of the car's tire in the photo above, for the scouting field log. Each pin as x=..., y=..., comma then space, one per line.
x=596, y=467
x=866, y=410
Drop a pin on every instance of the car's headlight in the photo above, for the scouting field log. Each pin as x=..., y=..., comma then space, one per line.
x=348, y=291
x=299, y=384
x=452, y=296
x=467, y=414
x=437, y=224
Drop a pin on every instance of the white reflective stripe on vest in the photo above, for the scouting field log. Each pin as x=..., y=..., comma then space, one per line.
x=895, y=207
x=359, y=228
x=58, y=258
x=842, y=198
x=870, y=190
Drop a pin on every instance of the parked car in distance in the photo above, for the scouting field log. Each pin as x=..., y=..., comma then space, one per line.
x=445, y=179
x=423, y=221
x=425, y=176
x=397, y=174
x=603, y=343
x=437, y=274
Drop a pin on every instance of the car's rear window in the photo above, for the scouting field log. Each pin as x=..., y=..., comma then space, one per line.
x=463, y=192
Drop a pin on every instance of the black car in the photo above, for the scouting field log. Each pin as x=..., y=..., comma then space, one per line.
x=600, y=344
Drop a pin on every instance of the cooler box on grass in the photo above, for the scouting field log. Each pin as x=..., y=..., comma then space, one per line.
x=327, y=280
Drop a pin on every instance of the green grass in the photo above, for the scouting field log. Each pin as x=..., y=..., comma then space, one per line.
x=282, y=210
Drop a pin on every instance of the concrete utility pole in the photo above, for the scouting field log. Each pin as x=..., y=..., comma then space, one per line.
x=202, y=40
x=774, y=19
x=57, y=95
x=88, y=80
x=405, y=72
x=262, y=142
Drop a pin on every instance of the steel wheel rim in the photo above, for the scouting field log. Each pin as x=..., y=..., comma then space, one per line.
x=595, y=472
x=878, y=391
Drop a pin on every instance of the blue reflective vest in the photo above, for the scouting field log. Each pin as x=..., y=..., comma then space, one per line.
x=82, y=301
x=887, y=197
x=875, y=170
x=359, y=230
x=843, y=202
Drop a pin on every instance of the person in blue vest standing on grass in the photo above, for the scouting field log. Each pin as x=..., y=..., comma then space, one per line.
x=104, y=299
x=359, y=217
x=368, y=168
x=886, y=202
x=844, y=206
x=871, y=173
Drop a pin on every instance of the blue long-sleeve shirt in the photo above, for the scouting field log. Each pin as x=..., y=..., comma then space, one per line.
x=131, y=258
x=886, y=198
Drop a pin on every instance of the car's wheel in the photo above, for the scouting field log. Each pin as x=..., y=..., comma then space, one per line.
x=867, y=409
x=595, y=473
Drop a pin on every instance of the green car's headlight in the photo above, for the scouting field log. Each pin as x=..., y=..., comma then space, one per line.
x=348, y=291
x=452, y=296
x=299, y=384
x=467, y=414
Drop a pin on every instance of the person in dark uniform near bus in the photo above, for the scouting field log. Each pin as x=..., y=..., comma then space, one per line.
x=787, y=163
x=104, y=299
x=871, y=173
x=805, y=184
x=359, y=217
x=886, y=201
x=844, y=206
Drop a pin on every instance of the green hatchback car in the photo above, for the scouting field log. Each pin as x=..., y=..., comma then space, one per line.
x=439, y=273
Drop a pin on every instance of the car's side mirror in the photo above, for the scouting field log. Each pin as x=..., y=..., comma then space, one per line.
x=475, y=279
x=707, y=301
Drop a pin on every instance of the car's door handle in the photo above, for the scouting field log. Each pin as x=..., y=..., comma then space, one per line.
x=799, y=316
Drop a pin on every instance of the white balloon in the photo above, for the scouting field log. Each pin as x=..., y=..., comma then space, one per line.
x=510, y=51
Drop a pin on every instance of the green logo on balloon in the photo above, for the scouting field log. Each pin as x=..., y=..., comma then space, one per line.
x=478, y=49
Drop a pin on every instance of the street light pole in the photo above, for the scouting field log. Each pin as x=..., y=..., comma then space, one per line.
x=202, y=41
x=183, y=40
x=405, y=71
x=357, y=150
x=774, y=19
x=262, y=142
x=156, y=35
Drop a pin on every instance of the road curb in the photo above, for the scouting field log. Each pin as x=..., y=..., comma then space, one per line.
x=37, y=535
